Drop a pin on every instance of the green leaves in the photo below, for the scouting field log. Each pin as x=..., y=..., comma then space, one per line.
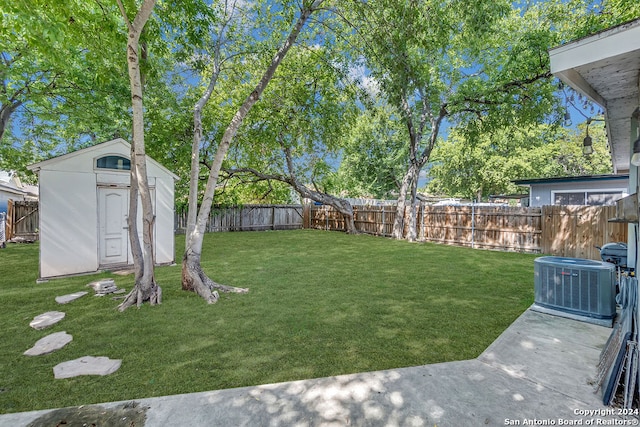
x=374, y=155
x=61, y=71
x=481, y=167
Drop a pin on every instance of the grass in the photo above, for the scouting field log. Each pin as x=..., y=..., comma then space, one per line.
x=320, y=304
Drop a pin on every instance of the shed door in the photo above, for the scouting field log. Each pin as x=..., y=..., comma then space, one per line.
x=113, y=207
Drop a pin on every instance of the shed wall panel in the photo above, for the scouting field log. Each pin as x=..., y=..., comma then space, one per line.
x=165, y=251
x=68, y=221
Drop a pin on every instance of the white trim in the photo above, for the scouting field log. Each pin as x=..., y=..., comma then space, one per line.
x=602, y=46
x=35, y=167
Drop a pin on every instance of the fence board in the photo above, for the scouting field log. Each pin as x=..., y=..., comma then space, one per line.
x=22, y=219
x=576, y=230
x=571, y=231
x=487, y=227
x=248, y=218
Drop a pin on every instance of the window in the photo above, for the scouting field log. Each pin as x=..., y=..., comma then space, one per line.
x=569, y=199
x=114, y=162
x=597, y=199
x=590, y=198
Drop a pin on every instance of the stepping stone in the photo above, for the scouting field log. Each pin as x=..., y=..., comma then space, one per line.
x=49, y=344
x=103, y=287
x=46, y=319
x=87, y=365
x=71, y=297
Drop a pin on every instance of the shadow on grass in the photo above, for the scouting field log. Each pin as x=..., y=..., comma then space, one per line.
x=321, y=304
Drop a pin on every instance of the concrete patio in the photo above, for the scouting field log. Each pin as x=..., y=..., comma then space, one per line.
x=538, y=372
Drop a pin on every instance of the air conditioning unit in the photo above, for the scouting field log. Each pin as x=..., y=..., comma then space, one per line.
x=576, y=288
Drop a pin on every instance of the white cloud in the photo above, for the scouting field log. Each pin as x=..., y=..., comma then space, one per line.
x=359, y=73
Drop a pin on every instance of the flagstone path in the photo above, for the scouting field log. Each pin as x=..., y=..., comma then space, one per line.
x=46, y=319
x=87, y=365
x=49, y=344
x=64, y=299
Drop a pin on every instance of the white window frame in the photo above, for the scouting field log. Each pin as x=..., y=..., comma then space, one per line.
x=585, y=191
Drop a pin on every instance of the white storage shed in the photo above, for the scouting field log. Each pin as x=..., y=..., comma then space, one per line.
x=84, y=205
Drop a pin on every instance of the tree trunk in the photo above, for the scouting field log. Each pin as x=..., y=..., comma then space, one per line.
x=405, y=187
x=193, y=278
x=416, y=161
x=350, y=224
x=5, y=115
x=192, y=211
x=132, y=223
x=412, y=233
x=145, y=288
x=341, y=205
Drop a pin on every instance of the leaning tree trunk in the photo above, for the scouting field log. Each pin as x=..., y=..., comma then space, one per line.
x=193, y=277
x=6, y=110
x=341, y=205
x=145, y=288
x=350, y=224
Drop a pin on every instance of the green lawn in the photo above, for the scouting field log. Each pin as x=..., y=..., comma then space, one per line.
x=320, y=304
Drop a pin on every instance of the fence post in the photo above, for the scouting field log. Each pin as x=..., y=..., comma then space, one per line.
x=422, y=206
x=273, y=217
x=326, y=216
x=306, y=215
x=9, y=219
x=473, y=224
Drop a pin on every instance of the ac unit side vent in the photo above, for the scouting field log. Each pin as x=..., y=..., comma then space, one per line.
x=576, y=288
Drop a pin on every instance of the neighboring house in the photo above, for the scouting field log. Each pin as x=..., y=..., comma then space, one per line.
x=84, y=204
x=12, y=189
x=594, y=190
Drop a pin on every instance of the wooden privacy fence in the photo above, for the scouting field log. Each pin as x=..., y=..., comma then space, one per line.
x=486, y=227
x=571, y=231
x=576, y=230
x=22, y=220
x=248, y=218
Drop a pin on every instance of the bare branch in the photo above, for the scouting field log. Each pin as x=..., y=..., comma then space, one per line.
x=123, y=12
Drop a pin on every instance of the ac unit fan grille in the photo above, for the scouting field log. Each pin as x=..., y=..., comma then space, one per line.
x=572, y=289
x=576, y=288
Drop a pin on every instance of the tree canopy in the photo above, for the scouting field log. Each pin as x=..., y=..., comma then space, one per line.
x=61, y=72
x=407, y=73
x=479, y=168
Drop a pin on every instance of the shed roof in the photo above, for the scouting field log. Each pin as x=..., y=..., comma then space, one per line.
x=583, y=178
x=605, y=67
x=43, y=164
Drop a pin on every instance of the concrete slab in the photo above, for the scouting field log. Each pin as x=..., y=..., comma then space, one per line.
x=49, y=344
x=467, y=393
x=65, y=299
x=535, y=373
x=87, y=365
x=47, y=319
x=552, y=351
